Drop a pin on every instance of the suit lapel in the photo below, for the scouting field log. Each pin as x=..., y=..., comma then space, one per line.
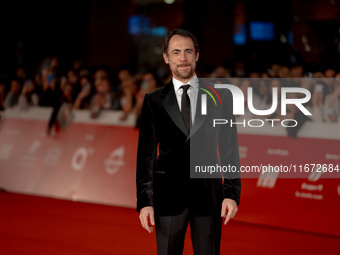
x=199, y=118
x=171, y=106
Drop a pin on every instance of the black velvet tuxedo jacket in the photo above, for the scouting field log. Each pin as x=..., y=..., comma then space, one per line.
x=163, y=156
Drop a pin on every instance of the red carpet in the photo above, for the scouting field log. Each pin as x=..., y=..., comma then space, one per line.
x=38, y=225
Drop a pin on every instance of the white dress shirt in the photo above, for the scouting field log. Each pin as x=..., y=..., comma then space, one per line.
x=192, y=92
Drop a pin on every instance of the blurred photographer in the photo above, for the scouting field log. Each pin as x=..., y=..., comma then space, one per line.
x=318, y=98
x=51, y=93
x=62, y=114
x=12, y=97
x=28, y=96
x=83, y=98
x=332, y=104
x=102, y=99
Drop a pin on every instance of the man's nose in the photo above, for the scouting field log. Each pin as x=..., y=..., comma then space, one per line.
x=183, y=57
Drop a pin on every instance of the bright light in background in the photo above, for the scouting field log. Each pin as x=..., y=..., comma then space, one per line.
x=283, y=38
x=240, y=35
x=262, y=31
x=141, y=25
x=159, y=31
x=169, y=1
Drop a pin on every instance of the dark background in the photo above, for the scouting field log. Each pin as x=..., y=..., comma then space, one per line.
x=96, y=31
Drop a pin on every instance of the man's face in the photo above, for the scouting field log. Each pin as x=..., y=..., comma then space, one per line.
x=181, y=57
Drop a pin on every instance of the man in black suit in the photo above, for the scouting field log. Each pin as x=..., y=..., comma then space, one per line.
x=167, y=195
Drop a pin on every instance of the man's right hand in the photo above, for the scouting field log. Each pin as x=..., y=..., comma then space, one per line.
x=147, y=213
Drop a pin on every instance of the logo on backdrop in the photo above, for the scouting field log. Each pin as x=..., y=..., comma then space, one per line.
x=279, y=99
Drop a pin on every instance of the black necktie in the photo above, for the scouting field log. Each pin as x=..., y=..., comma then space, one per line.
x=185, y=106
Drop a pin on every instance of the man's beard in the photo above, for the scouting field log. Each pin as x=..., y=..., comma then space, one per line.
x=186, y=73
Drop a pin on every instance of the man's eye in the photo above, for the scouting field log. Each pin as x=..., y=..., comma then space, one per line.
x=175, y=52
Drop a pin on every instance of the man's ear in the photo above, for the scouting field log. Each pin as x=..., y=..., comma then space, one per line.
x=165, y=58
x=197, y=55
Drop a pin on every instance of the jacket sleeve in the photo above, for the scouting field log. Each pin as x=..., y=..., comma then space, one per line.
x=229, y=153
x=146, y=156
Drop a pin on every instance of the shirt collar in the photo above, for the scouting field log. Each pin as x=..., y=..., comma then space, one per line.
x=177, y=84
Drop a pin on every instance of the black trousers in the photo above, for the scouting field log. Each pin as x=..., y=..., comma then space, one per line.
x=205, y=233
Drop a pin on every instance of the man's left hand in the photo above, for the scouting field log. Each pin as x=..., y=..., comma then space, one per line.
x=230, y=206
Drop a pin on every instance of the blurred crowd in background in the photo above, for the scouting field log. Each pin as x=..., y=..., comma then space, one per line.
x=97, y=89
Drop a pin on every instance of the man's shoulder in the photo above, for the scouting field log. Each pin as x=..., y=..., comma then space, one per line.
x=161, y=91
x=209, y=84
